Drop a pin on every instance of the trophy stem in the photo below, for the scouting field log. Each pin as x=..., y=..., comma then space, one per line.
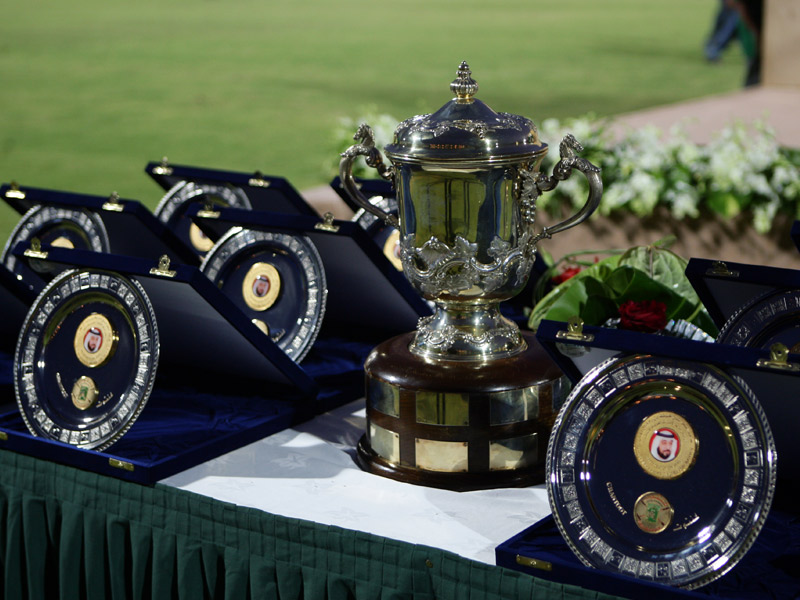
x=467, y=332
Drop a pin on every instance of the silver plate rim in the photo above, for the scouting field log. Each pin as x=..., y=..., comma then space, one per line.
x=706, y=576
x=41, y=299
x=170, y=201
x=727, y=331
x=99, y=238
x=257, y=237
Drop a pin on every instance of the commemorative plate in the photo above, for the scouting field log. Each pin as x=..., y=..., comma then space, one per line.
x=768, y=319
x=54, y=226
x=386, y=236
x=86, y=358
x=277, y=279
x=171, y=210
x=661, y=469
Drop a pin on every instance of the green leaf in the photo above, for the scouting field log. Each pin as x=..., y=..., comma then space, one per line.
x=627, y=283
x=724, y=203
x=599, y=309
x=568, y=304
x=543, y=306
x=664, y=266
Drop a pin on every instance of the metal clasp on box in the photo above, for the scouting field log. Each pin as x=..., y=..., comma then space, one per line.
x=120, y=464
x=163, y=168
x=327, y=223
x=163, y=269
x=257, y=180
x=778, y=359
x=574, y=331
x=534, y=563
x=208, y=212
x=15, y=192
x=35, y=251
x=113, y=203
x=720, y=269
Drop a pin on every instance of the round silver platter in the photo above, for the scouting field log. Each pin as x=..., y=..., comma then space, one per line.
x=172, y=207
x=661, y=469
x=386, y=236
x=86, y=358
x=771, y=318
x=277, y=279
x=54, y=226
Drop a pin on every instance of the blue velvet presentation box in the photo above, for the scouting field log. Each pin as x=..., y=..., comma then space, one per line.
x=264, y=192
x=725, y=288
x=369, y=187
x=221, y=383
x=15, y=300
x=767, y=570
x=365, y=291
x=132, y=229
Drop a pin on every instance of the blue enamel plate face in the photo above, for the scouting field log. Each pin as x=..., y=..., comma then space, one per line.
x=172, y=209
x=86, y=358
x=661, y=469
x=769, y=319
x=54, y=226
x=277, y=280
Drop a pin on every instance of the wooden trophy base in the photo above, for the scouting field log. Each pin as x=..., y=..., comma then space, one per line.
x=459, y=425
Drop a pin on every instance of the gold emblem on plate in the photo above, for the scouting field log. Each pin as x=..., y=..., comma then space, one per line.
x=95, y=340
x=652, y=512
x=391, y=248
x=84, y=393
x=261, y=286
x=63, y=242
x=261, y=325
x=665, y=445
x=200, y=241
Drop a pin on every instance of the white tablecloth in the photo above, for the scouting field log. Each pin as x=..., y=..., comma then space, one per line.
x=309, y=472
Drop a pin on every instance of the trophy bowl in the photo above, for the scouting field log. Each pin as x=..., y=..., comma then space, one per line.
x=467, y=400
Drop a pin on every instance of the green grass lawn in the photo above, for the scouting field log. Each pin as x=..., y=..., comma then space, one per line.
x=91, y=90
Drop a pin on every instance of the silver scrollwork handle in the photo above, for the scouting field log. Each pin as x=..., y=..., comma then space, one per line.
x=372, y=155
x=534, y=184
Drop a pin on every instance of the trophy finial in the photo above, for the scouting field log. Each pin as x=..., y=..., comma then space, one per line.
x=464, y=86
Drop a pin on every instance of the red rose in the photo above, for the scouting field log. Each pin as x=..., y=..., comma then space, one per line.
x=567, y=273
x=648, y=316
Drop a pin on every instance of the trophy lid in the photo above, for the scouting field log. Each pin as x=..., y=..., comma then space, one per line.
x=465, y=130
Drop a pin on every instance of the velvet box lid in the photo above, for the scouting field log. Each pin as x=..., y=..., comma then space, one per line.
x=132, y=228
x=189, y=419
x=365, y=291
x=265, y=192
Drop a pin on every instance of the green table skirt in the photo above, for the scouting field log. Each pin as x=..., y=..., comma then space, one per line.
x=67, y=533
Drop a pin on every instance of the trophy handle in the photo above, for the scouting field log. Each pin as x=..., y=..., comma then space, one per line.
x=372, y=155
x=536, y=183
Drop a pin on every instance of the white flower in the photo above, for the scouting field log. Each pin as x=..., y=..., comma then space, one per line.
x=683, y=199
x=646, y=189
x=763, y=215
